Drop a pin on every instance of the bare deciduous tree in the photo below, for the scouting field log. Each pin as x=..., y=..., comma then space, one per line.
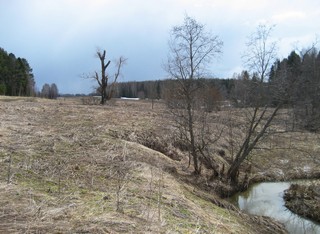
x=45, y=91
x=192, y=49
x=121, y=170
x=106, y=86
x=53, y=91
x=259, y=57
x=49, y=91
x=308, y=106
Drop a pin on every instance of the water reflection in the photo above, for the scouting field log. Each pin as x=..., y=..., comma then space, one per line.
x=266, y=199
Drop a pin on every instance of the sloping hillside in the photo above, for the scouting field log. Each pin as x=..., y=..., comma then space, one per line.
x=65, y=168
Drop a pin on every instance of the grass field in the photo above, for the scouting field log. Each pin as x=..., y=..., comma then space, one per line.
x=73, y=168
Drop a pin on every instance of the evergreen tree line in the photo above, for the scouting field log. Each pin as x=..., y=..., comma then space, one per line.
x=293, y=81
x=299, y=78
x=16, y=77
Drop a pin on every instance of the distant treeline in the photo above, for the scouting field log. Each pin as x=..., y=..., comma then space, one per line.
x=158, y=89
x=297, y=75
x=294, y=81
x=297, y=80
x=16, y=77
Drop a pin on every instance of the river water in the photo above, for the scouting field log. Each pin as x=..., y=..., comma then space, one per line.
x=266, y=199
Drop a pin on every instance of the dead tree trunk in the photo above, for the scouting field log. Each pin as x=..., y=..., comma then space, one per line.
x=105, y=87
x=103, y=81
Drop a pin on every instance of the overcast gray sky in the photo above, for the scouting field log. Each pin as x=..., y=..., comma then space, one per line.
x=59, y=37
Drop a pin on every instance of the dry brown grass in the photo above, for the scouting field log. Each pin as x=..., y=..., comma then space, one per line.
x=282, y=154
x=65, y=174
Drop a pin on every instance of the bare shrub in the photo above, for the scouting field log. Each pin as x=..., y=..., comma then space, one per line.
x=120, y=172
x=90, y=100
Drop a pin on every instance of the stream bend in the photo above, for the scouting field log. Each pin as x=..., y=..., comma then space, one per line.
x=267, y=199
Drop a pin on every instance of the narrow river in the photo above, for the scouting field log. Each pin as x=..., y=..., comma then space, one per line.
x=266, y=199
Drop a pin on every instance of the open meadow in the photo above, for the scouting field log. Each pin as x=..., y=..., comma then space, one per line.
x=66, y=167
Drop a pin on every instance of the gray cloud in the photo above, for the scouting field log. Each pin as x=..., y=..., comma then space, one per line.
x=59, y=37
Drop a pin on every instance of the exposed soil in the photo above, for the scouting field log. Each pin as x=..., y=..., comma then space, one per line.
x=304, y=200
x=73, y=168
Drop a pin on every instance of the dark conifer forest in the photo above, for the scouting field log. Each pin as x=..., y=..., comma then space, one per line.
x=16, y=77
